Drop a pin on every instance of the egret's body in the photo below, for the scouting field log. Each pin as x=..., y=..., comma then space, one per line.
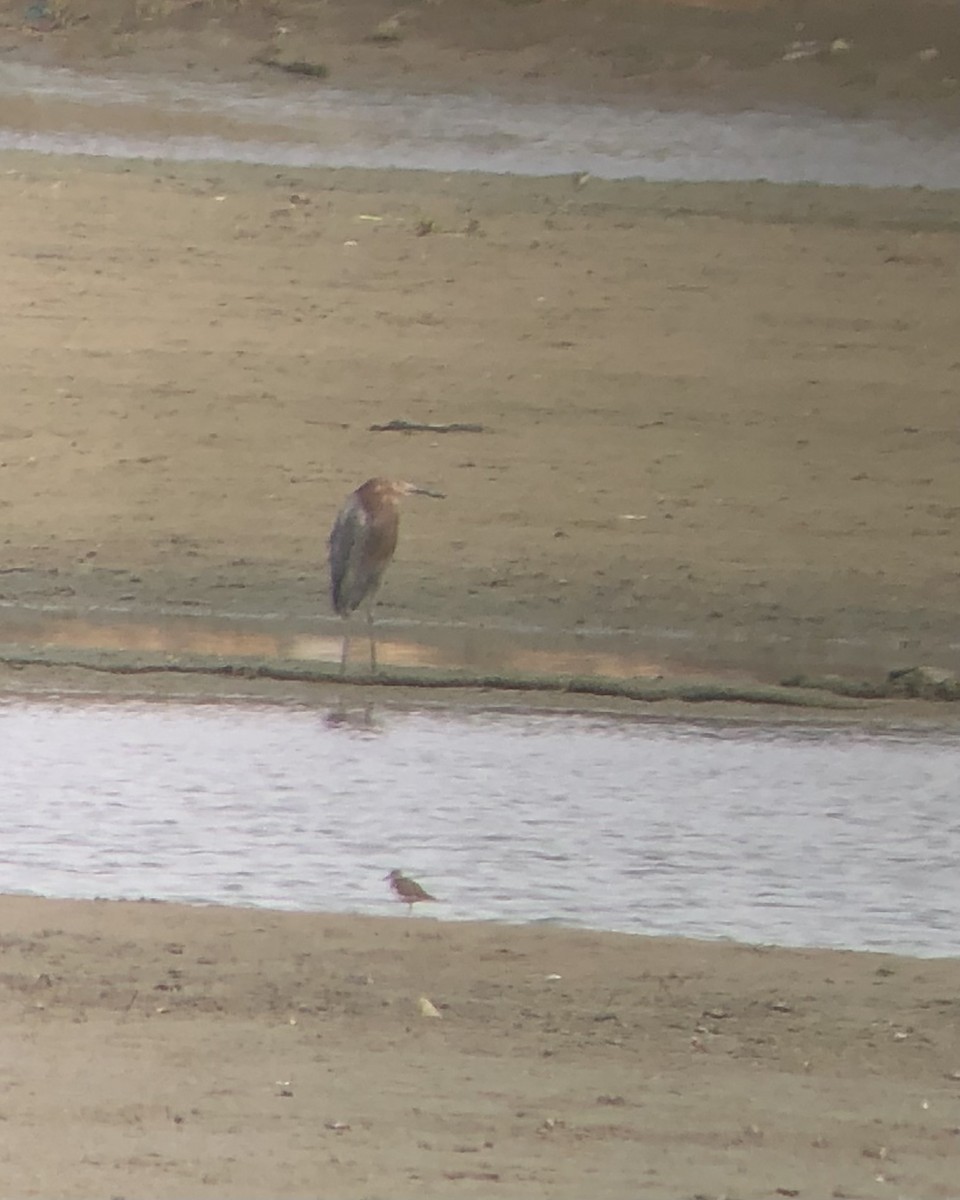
x=407, y=890
x=362, y=543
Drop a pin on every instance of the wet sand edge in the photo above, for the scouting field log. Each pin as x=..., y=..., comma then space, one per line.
x=559, y=1059
x=101, y=675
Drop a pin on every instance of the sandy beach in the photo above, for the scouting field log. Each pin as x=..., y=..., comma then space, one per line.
x=721, y=409
x=153, y=1050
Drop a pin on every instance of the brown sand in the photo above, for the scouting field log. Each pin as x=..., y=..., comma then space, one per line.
x=728, y=409
x=152, y=1050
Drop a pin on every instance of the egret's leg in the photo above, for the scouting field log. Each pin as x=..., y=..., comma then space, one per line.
x=344, y=649
x=373, y=641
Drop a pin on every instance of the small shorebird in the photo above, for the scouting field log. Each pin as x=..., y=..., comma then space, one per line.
x=362, y=542
x=407, y=890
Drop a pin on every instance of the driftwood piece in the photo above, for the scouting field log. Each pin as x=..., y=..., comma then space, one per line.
x=400, y=426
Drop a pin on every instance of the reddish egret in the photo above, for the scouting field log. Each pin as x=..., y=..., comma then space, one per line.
x=407, y=890
x=362, y=542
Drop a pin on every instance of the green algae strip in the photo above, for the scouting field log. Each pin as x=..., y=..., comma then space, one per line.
x=911, y=683
x=640, y=689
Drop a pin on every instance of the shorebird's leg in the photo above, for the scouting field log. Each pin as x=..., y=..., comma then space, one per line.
x=373, y=641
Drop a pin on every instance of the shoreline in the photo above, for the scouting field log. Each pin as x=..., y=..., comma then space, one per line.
x=424, y=919
x=920, y=701
x=115, y=116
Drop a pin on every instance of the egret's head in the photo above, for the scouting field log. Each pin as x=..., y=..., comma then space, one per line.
x=411, y=489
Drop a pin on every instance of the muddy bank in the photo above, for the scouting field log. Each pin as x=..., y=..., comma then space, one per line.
x=855, y=58
x=724, y=410
x=287, y=1053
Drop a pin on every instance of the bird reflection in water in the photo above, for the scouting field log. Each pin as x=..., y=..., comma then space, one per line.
x=358, y=717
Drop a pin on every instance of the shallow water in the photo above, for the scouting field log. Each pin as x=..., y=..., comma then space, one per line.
x=316, y=125
x=782, y=835
x=736, y=655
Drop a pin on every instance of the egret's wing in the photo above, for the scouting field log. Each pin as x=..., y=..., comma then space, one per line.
x=345, y=549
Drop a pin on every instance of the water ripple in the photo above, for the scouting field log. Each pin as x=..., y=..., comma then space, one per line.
x=796, y=837
x=325, y=126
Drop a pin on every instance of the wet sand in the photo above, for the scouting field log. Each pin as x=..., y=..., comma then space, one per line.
x=719, y=409
x=716, y=419
x=725, y=410
x=153, y=1050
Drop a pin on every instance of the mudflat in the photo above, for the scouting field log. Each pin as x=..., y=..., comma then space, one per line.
x=727, y=409
x=722, y=409
x=154, y=1050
